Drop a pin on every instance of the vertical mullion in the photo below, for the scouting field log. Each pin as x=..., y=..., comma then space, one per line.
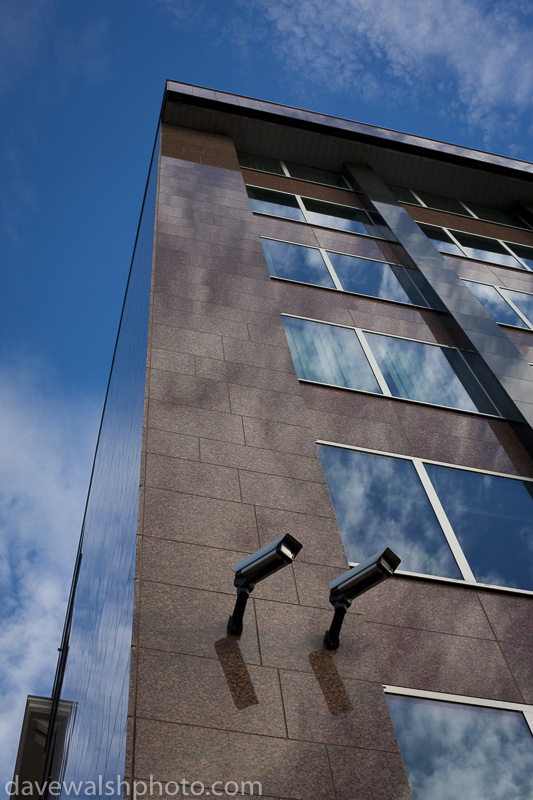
x=472, y=214
x=514, y=254
x=302, y=207
x=373, y=363
x=444, y=522
x=515, y=308
x=424, y=205
x=331, y=269
x=285, y=169
x=454, y=240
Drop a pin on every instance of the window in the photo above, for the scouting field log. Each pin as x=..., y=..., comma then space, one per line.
x=453, y=206
x=389, y=365
x=462, y=747
x=508, y=307
x=337, y=271
x=317, y=212
x=277, y=204
x=442, y=521
x=291, y=170
x=481, y=248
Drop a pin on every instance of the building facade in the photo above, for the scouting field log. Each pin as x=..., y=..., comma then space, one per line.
x=327, y=332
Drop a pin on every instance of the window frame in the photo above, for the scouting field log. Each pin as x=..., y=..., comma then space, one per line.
x=333, y=275
x=360, y=334
x=300, y=198
x=446, y=697
x=468, y=213
x=515, y=308
x=287, y=174
x=441, y=516
x=506, y=245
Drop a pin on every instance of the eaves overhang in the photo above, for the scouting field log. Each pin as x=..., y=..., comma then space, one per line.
x=267, y=128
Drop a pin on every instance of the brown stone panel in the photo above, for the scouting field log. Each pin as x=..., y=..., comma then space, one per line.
x=200, y=520
x=181, y=340
x=260, y=460
x=426, y=605
x=520, y=661
x=196, y=566
x=246, y=375
x=200, y=146
x=523, y=341
x=180, y=475
x=173, y=362
x=510, y=616
x=193, y=691
x=469, y=452
x=285, y=493
x=365, y=246
x=312, y=302
x=318, y=191
x=286, y=769
x=441, y=662
x=320, y=537
x=250, y=303
x=176, y=445
x=189, y=390
x=324, y=708
x=195, y=421
x=166, y=314
x=304, y=629
x=268, y=434
x=241, y=312
x=270, y=331
x=470, y=225
x=368, y=773
x=286, y=230
x=261, y=355
x=277, y=406
x=190, y=621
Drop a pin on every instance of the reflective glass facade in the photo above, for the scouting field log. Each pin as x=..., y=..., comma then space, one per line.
x=455, y=750
x=96, y=679
x=432, y=516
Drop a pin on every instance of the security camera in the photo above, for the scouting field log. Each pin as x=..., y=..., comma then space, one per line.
x=357, y=580
x=257, y=567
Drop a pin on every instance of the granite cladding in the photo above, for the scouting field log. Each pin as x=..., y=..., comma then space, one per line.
x=230, y=465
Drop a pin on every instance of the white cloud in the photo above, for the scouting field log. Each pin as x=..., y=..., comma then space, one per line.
x=473, y=56
x=47, y=446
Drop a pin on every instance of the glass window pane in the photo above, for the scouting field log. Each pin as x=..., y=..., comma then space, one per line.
x=404, y=195
x=493, y=520
x=486, y=250
x=442, y=203
x=355, y=220
x=490, y=298
x=523, y=252
x=329, y=354
x=453, y=750
x=522, y=301
x=428, y=373
x=375, y=279
x=497, y=215
x=441, y=240
x=379, y=502
x=276, y=203
x=315, y=175
x=261, y=163
x=296, y=263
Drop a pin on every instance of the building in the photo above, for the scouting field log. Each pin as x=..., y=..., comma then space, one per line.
x=339, y=352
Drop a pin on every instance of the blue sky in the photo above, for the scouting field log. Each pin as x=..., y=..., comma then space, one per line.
x=80, y=91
